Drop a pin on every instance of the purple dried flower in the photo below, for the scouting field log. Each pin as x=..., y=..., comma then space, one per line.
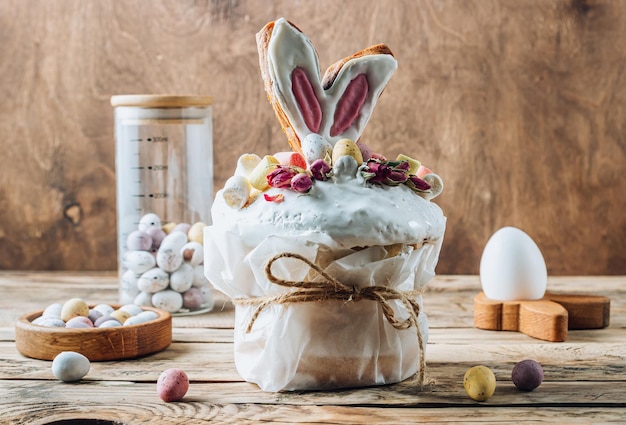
x=281, y=177
x=417, y=184
x=396, y=177
x=320, y=170
x=302, y=183
x=376, y=171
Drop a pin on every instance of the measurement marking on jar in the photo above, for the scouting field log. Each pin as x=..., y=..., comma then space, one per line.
x=136, y=140
x=157, y=139
x=157, y=167
x=137, y=168
x=158, y=195
x=140, y=196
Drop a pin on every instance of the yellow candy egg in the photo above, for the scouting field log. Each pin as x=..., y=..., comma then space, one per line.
x=120, y=315
x=196, y=232
x=168, y=227
x=74, y=307
x=346, y=147
x=479, y=383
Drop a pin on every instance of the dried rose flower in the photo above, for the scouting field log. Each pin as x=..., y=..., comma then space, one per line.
x=281, y=177
x=417, y=184
x=302, y=183
x=320, y=170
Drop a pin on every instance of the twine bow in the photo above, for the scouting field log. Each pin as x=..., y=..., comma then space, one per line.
x=330, y=288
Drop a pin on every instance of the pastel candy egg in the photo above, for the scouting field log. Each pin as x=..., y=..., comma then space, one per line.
x=198, y=276
x=315, y=147
x=168, y=300
x=258, y=176
x=149, y=221
x=168, y=256
x=69, y=366
x=138, y=241
x=479, y=383
x=94, y=315
x=346, y=147
x=182, y=278
x=105, y=309
x=366, y=152
x=120, y=315
x=133, y=309
x=156, y=234
x=246, y=163
x=138, y=261
x=236, y=192
x=168, y=227
x=53, y=310
x=140, y=318
x=527, y=375
x=74, y=307
x=54, y=322
x=196, y=232
x=193, y=253
x=512, y=267
x=128, y=283
x=172, y=385
x=110, y=324
x=99, y=321
x=193, y=299
x=79, y=322
x=143, y=298
x=153, y=280
x=181, y=227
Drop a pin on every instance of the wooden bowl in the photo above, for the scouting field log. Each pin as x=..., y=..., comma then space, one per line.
x=97, y=344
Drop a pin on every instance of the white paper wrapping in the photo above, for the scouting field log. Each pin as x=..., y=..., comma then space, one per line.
x=318, y=344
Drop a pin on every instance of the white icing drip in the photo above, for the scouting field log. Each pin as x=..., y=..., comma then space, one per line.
x=350, y=211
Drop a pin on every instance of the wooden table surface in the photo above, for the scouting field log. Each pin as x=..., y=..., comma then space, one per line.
x=584, y=382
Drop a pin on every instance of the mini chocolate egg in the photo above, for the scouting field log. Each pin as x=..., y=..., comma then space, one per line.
x=74, y=307
x=120, y=315
x=172, y=385
x=346, y=147
x=512, y=267
x=193, y=253
x=479, y=383
x=103, y=319
x=196, y=232
x=53, y=310
x=182, y=278
x=527, y=375
x=138, y=241
x=69, y=366
x=110, y=324
x=132, y=309
x=149, y=221
x=79, y=322
x=315, y=147
x=168, y=300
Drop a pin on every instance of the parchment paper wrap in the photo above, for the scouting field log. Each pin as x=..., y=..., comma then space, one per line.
x=320, y=344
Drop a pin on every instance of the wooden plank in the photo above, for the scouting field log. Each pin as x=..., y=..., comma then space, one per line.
x=198, y=413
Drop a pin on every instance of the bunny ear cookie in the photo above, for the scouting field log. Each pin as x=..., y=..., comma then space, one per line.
x=335, y=107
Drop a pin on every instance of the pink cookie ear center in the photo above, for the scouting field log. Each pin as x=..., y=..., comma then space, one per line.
x=307, y=101
x=350, y=104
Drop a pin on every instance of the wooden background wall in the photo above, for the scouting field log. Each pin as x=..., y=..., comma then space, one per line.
x=520, y=105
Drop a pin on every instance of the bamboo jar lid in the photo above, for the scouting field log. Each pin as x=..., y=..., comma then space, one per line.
x=160, y=101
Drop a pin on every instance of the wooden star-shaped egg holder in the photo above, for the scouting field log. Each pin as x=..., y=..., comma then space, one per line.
x=548, y=318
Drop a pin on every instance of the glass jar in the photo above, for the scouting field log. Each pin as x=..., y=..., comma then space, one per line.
x=164, y=172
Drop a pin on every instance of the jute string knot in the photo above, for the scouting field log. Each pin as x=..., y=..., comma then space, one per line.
x=329, y=288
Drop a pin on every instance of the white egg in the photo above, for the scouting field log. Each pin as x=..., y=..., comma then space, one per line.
x=70, y=366
x=512, y=267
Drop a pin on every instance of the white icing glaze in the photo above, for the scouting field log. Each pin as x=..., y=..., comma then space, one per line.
x=349, y=210
x=289, y=48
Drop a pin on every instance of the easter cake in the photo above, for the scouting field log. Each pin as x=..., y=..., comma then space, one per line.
x=325, y=249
